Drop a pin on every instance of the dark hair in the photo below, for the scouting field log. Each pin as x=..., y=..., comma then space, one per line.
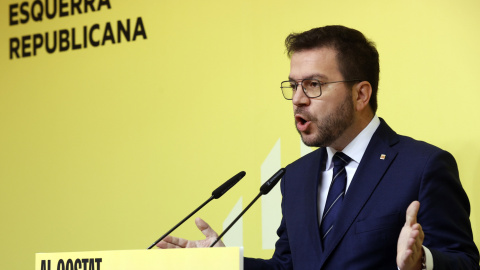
x=356, y=55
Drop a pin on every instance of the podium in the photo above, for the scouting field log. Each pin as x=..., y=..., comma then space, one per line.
x=178, y=259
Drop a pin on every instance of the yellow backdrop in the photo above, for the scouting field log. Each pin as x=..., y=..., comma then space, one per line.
x=108, y=146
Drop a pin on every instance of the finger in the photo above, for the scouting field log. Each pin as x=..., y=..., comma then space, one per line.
x=175, y=241
x=412, y=212
x=417, y=233
x=411, y=243
x=420, y=236
x=205, y=228
x=414, y=246
x=415, y=241
x=164, y=245
x=167, y=243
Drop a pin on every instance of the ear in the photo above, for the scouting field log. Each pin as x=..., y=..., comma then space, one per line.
x=362, y=92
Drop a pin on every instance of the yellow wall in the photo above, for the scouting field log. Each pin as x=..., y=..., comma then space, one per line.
x=108, y=147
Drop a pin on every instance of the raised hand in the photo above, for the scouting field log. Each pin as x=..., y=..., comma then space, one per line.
x=176, y=242
x=409, y=246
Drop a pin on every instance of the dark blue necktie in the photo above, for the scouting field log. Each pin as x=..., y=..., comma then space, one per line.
x=335, y=194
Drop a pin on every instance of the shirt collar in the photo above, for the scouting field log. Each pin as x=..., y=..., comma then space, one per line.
x=356, y=148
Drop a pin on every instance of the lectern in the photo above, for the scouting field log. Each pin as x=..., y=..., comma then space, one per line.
x=162, y=259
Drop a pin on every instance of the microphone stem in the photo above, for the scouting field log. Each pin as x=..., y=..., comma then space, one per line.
x=181, y=222
x=236, y=219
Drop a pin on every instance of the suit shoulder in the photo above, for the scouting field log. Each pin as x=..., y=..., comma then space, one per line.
x=387, y=135
x=420, y=152
x=406, y=143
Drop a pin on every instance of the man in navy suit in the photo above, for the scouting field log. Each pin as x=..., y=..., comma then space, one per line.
x=355, y=202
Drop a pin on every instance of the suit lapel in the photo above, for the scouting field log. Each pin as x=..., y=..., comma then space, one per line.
x=315, y=174
x=369, y=173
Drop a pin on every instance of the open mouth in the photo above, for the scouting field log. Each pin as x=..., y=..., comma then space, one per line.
x=302, y=123
x=300, y=120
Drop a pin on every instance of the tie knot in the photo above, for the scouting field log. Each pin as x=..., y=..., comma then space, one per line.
x=340, y=159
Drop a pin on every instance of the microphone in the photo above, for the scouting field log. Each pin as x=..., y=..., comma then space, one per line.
x=217, y=193
x=264, y=190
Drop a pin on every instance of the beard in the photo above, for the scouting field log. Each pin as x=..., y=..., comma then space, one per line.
x=332, y=126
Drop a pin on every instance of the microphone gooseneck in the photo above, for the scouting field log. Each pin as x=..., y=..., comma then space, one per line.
x=264, y=190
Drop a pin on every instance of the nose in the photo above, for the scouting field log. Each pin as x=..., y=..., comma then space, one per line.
x=299, y=97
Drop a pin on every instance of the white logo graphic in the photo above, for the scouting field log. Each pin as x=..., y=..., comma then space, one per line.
x=271, y=203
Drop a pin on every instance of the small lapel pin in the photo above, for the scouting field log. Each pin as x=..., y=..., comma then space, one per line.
x=382, y=156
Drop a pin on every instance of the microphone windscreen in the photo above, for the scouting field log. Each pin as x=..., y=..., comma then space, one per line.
x=267, y=186
x=217, y=193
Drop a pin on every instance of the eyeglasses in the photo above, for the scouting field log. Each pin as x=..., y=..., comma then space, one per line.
x=311, y=87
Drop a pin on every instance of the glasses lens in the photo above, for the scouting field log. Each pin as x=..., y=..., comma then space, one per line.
x=312, y=88
x=288, y=88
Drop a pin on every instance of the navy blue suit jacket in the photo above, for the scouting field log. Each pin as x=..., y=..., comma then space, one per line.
x=374, y=208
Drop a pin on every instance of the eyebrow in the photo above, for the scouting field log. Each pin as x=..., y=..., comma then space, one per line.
x=312, y=76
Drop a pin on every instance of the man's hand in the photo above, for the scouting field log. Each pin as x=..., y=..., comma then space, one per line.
x=409, y=246
x=210, y=234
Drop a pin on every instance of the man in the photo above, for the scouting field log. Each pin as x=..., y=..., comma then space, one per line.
x=355, y=202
